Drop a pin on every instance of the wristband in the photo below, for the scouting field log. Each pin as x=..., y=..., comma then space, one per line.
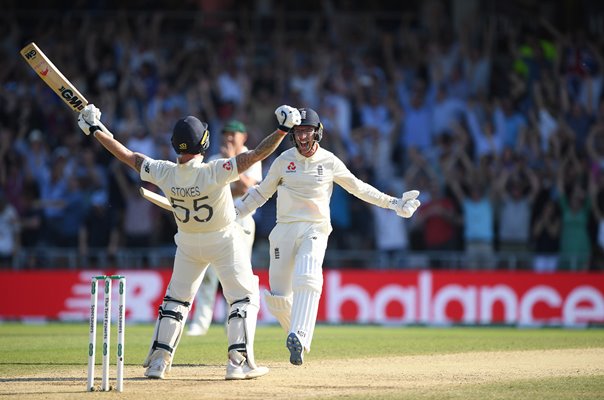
x=284, y=128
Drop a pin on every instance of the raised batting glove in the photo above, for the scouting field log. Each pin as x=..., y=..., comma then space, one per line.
x=288, y=117
x=89, y=119
x=407, y=205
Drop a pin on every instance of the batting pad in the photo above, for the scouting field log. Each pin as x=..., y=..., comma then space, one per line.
x=304, y=315
x=241, y=329
x=307, y=286
x=280, y=307
x=168, y=328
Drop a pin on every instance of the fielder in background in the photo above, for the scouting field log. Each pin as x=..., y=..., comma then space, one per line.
x=234, y=136
x=303, y=178
x=207, y=233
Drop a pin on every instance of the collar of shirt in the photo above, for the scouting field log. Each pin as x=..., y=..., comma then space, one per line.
x=300, y=157
x=191, y=162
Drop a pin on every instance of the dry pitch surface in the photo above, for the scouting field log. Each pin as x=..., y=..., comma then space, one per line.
x=428, y=376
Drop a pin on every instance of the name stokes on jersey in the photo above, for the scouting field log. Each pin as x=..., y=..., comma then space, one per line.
x=192, y=191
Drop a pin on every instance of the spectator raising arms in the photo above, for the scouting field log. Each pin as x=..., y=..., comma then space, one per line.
x=477, y=204
x=410, y=79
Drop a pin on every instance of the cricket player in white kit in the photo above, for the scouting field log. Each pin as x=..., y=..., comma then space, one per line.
x=234, y=135
x=303, y=178
x=207, y=233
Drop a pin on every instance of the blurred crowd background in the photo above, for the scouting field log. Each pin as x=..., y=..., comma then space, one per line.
x=492, y=109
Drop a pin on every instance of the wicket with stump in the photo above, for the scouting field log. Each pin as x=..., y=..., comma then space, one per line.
x=121, y=320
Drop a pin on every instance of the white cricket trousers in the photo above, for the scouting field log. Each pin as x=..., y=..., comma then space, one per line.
x=195, y=251
x=206, y=295
x=296, y=266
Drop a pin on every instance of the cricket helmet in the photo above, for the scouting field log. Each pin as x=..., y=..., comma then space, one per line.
x=309, y=117
x=190, y=136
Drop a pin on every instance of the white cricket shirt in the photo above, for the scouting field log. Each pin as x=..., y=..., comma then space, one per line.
x=254, y=172
x=198, y=191
x=304, y=185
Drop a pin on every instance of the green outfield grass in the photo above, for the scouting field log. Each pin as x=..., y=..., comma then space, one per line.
x=33, y=348
x=67, y=343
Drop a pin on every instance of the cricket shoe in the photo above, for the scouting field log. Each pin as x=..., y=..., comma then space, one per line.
x=158, y=366
x=238, y=368
x=296, y=350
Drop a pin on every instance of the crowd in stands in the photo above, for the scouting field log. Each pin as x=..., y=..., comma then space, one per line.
x=498, y=122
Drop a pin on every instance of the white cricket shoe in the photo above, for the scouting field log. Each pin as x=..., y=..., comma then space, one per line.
x=159, y=365
x=296, y=350
x=196, y=330
x=238, y=368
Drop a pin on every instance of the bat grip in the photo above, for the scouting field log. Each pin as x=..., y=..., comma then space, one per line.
x=104, y=129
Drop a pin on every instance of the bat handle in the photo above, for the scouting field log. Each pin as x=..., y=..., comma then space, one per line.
x=104, y=129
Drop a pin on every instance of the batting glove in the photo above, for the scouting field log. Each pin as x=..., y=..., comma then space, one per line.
x=288, y=117
x=406, y=205
x=89, y=119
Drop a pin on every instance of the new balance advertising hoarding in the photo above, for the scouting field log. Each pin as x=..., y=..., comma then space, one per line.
x=349, y=296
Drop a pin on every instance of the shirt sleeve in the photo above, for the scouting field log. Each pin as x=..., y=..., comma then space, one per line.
x=268, y=186
x=353, y=185
x=254, y=172
x=225, y=170
x=153, y=170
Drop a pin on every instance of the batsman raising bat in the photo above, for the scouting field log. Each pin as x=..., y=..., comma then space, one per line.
x=303, y=178
x=203, y=207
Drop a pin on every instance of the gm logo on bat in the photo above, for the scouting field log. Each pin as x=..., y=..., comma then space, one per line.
x=74, y=101
x=31, y=54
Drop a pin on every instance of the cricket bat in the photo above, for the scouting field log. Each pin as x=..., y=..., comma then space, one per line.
x=156, y=199
x=51, y=75
x=59, y=84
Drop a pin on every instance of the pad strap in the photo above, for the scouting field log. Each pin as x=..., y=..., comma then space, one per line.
x=244, y=300
x=170, y=314
x=158, y=345
x=240, y=347
x=184, y=303
x=237, y=314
